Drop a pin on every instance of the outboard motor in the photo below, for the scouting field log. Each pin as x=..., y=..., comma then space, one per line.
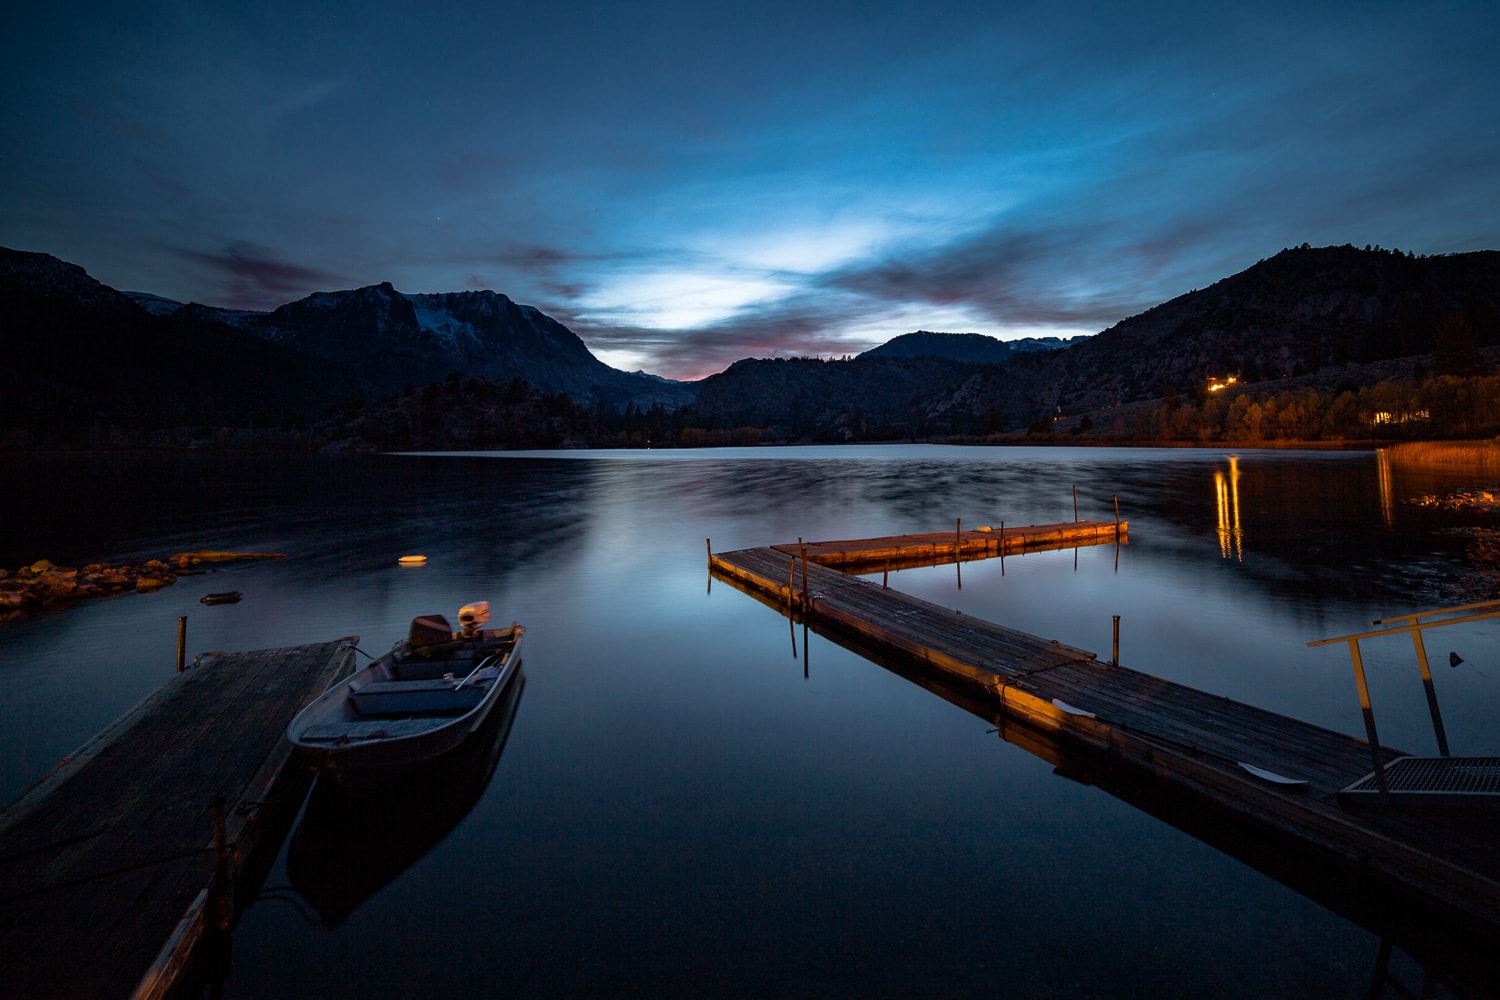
x=471, y=617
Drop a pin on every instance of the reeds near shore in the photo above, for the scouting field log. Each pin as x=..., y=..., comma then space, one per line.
x=1447, y=454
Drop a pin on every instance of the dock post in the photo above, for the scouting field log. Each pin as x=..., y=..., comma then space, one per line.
x=958, y=537
x=181, y=643
x=791, y=591
x=1117, y=514
x=803, y=549
x=1075, y=501
x=1114, y=655
x=708, y=544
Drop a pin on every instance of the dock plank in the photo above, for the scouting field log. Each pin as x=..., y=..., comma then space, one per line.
x=100, y=860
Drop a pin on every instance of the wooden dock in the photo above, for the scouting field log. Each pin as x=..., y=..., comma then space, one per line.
x=114, y=865
x=1148, y=731
x=870, y=555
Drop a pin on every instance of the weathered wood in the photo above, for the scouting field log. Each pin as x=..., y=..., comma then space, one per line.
x=1165, y=734
x=867, y=555
x=102, y=859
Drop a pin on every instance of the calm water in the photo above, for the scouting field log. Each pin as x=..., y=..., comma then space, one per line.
x=680, y=806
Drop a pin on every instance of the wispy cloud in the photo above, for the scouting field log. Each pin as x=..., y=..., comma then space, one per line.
x=258, y=279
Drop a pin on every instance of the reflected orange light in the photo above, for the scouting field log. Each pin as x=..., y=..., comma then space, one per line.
x=1231, y=537
x=1387, y=493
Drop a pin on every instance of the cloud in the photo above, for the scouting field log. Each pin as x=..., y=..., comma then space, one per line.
x=257, y=278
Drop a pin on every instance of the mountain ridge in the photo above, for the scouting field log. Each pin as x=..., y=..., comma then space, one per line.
x=96, y=356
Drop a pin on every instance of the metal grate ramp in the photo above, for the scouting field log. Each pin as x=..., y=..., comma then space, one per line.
x=1437, y=778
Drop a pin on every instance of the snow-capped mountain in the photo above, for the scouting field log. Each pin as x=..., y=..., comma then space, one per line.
x=394, y=340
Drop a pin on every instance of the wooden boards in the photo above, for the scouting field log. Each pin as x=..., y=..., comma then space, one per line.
x=102, y=860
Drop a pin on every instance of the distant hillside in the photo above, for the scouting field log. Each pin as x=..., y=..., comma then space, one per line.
x=1338, y=310
x=971, y=348
x=1302, y=311
x=865, y=398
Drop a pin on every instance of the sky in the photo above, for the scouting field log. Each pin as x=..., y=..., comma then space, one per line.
x=686, y=184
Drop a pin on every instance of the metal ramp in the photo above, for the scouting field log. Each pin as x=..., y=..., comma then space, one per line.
x=1433, y=779
x=1454, y=780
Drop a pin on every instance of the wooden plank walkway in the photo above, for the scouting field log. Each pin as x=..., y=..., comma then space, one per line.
x=868, y=555
x=105, y=864
x=1164, y=733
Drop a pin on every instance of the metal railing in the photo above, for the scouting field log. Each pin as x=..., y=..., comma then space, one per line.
x=1413, y=625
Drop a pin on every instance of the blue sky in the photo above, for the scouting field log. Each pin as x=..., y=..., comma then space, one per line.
x=687, y=184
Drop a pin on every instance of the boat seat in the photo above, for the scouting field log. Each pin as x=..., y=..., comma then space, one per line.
x=400, y=697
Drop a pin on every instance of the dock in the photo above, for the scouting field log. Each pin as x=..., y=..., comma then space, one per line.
x=869, y=555
x=114, y=866
x=1271, y=778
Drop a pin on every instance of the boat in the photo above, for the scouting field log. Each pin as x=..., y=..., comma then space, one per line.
x=410, y=707
x=345, y=850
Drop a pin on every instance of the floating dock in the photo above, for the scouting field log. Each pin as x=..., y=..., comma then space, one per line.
x=1270, y=776
x=870, y=555
x=114, y=865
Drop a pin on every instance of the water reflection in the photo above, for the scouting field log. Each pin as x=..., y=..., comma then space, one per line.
x=344, y=851
x=1387, y=491
x=1439, y=945
x=1229, y=511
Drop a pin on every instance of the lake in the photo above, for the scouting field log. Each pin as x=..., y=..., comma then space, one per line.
x=691, y=798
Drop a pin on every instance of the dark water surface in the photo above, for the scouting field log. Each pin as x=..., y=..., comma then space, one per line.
x=676, y=810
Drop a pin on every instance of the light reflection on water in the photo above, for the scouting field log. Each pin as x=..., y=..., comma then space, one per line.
x=678, y=810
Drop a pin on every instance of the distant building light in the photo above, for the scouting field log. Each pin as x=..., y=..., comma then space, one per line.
x=1215, y=383
x=1386, y=417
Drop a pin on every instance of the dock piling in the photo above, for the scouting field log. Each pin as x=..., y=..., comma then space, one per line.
x=1075, y=501
x=1114, y=654
x=181, y=643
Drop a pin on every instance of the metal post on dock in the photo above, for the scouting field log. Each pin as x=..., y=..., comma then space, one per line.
x=1364, y=704
x=1075, y=501
x=1117, y=513
x=1114, y=655
x=1432, y=704
x=1420, y=649
x=181, y=643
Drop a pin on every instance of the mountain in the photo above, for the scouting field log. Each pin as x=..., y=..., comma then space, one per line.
x=393, y=340
x=81, y=358
x=84, y=361
x=865, y=398
x=1305, y=310
x=1340, y=312
x=973, y=348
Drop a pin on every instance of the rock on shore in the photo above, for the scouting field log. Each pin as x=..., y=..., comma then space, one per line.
x=44, y=584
